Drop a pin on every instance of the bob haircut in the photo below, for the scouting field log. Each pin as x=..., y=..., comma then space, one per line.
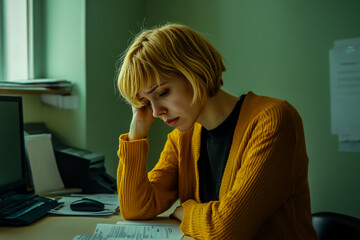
x=165, y=52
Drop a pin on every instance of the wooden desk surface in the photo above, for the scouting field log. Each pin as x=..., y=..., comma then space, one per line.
x=67, y=227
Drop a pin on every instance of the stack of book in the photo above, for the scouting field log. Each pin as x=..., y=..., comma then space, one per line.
x=38, y=84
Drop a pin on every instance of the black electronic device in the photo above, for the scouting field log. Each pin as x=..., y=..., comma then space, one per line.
x=83, y=169
x=87, y=205
x=17, y=206
x=78, y=168
x=12, y=150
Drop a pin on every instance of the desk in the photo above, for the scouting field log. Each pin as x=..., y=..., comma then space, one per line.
x=67, y=227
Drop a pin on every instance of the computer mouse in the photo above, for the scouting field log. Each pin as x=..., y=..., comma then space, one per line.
x=87, y=205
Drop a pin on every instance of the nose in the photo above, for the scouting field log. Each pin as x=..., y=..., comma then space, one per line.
x=158, y=109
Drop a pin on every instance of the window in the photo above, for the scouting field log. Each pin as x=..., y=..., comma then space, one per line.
x=16, y=40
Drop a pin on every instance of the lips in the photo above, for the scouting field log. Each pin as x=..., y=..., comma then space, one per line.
x=172, y=121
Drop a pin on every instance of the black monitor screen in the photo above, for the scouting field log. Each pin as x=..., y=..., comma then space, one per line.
x=11, y=144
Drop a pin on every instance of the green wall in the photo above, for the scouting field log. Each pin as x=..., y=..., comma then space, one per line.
x=277, y=48
x=65, y=58
x=108, y=28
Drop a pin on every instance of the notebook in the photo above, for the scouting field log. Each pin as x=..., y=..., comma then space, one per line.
x=17, y=207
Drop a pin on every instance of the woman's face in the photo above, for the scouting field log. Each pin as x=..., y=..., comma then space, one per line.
x=171, y=101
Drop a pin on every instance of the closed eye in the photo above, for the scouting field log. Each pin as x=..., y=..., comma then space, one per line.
x=164, y=93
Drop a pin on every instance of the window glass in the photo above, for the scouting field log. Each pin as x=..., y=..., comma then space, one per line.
x=14, y=40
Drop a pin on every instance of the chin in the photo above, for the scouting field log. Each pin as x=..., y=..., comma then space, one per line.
x=184, y=128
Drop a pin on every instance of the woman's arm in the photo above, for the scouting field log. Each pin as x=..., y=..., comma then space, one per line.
x=144, y=195
x=141, y=121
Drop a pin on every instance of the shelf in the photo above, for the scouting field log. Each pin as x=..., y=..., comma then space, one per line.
x=34, y=91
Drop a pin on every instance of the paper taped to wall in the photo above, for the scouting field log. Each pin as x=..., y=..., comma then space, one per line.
x=345, y=93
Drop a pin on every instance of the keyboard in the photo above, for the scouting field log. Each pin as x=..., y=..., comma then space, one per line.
x=24, y=209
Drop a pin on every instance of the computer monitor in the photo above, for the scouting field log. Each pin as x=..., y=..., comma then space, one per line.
x=12, y=150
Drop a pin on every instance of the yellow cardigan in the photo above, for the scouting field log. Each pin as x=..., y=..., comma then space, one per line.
x=264, y=192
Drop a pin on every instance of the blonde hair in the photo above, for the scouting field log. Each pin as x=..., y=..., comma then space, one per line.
x=162, y=52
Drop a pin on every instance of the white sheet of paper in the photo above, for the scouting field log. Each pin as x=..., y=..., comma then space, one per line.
x=126, y=230
x=345, y=93
x=82, y=237
x=110, y=200
x=44, y=170
x=133, y=230
x=345, y=87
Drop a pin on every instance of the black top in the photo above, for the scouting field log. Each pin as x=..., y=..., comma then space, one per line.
x=214, y=152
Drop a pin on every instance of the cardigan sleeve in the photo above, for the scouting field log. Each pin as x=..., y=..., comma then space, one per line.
x=262, y=183
x=144, y=195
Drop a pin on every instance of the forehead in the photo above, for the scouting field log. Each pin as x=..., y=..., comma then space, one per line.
x=152, y=86
x=148, y=90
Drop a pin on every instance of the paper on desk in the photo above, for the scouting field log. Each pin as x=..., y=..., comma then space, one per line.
x=110, y=201
x=44, y=170
x=82, y=237
x=102, y=197
x=134, y=230
x=153, y=230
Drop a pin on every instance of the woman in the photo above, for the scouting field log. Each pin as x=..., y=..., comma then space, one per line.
x=238, y=164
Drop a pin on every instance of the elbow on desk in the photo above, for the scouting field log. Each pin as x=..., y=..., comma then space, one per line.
x=135, y=214
x=128, y=214
x=139, y=209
